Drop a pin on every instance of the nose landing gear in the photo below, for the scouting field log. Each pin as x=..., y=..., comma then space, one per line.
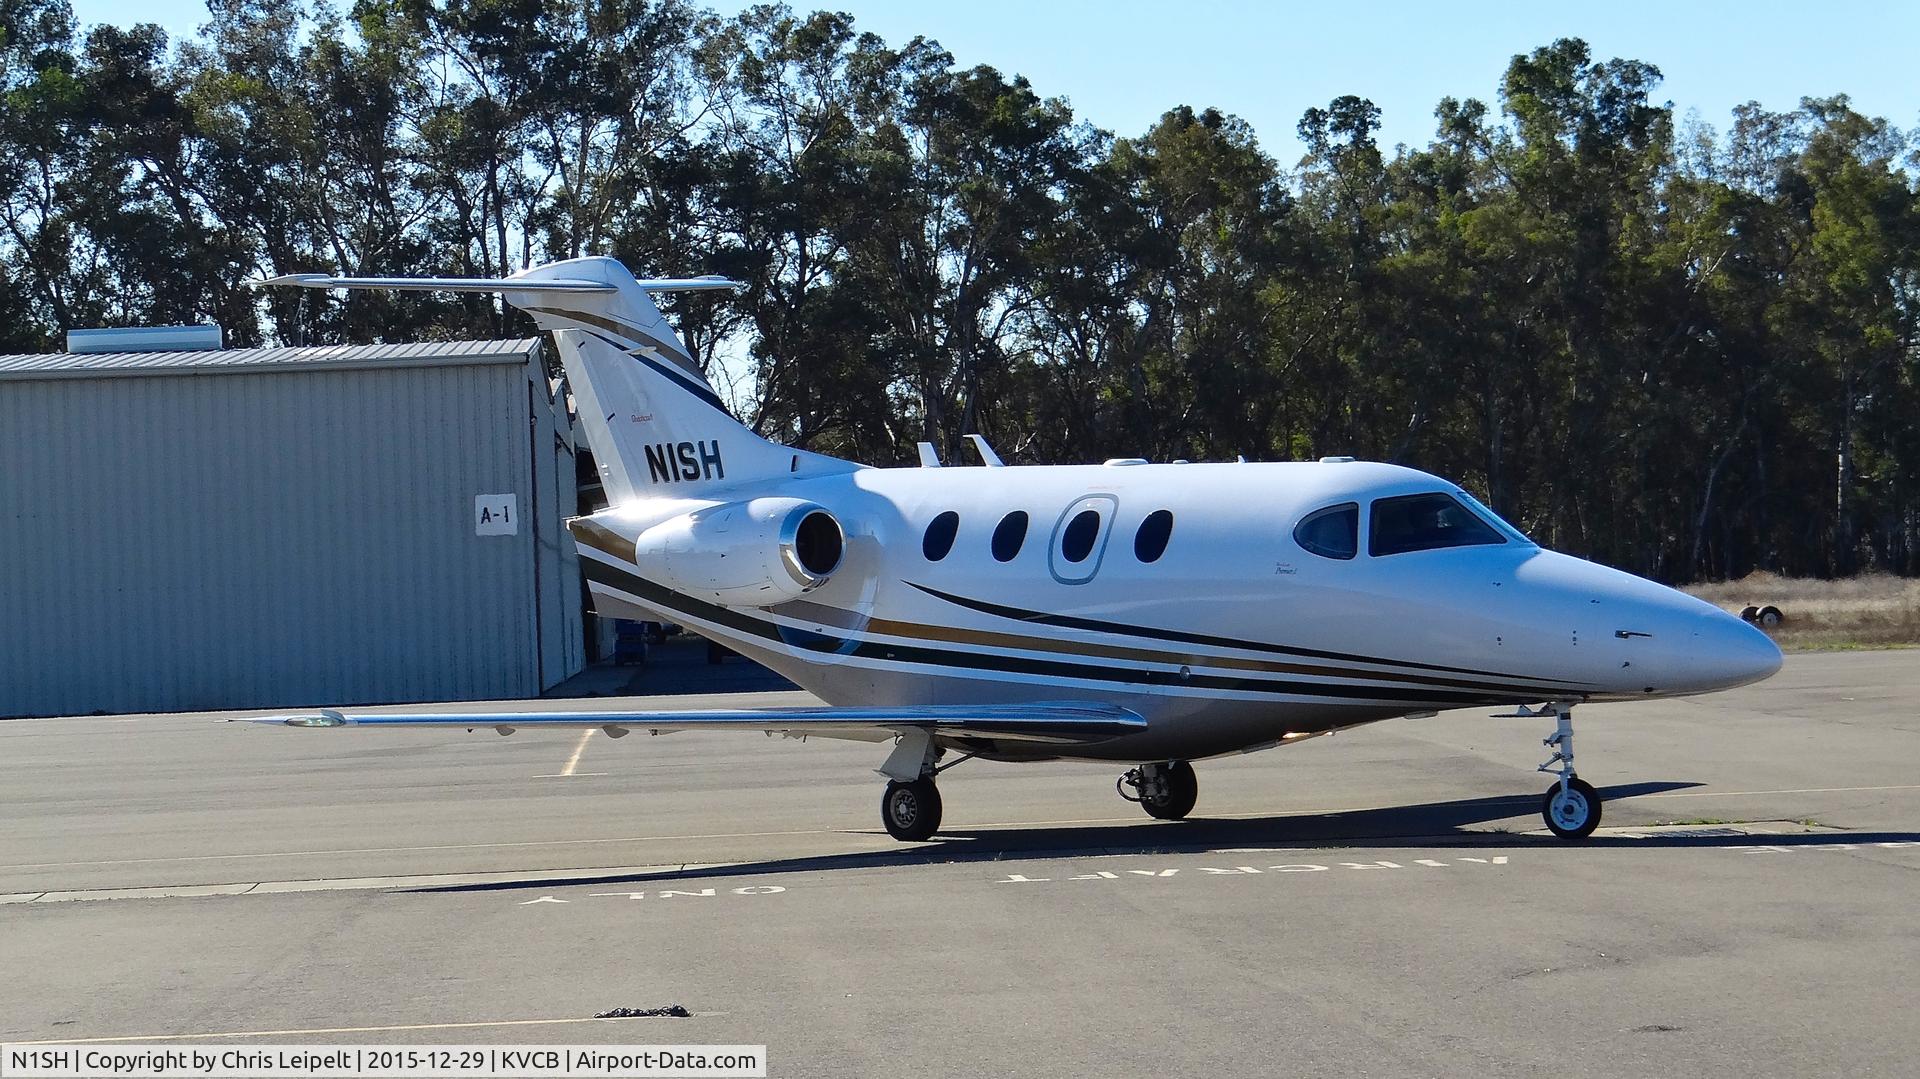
x=1571, y=806
x=1167, y=790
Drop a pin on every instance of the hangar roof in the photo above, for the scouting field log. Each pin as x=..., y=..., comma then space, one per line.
x=18, y=368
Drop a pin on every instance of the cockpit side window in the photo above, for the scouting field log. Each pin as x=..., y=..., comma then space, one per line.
x=1424, y=523
x=1333, y=532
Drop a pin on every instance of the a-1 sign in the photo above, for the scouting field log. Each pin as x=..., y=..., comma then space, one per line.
x=496, y=515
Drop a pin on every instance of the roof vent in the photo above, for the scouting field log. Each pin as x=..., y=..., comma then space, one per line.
x=1336, y=460
x=203, y=338
x=1115, y=462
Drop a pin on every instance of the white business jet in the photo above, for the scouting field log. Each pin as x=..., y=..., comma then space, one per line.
x=1151, y=614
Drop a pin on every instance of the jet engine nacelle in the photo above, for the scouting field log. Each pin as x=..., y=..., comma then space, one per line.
x=745, y=554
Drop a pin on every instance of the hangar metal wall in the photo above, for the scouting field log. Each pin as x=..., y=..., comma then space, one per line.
x=294, y=527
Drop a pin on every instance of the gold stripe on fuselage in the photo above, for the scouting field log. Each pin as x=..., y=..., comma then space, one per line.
x=589, y=533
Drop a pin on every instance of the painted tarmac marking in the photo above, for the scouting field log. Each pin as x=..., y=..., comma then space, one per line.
x=664, y=893
x=1251, y=871
x=574, y=761
x=1799, y=790
x=342, y=884
x=847, y=831
x=414, y=850
x=1766, y=848
x=335, y=1030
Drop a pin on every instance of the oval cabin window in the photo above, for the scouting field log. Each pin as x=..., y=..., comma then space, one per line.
x=1077, y=542
x=939, y=537
x=1009, y=535
x=1151, y=541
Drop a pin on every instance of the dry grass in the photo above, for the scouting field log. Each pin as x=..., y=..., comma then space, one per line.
x=1860, y=612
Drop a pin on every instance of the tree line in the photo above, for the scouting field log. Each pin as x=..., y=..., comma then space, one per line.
x=1684, y=351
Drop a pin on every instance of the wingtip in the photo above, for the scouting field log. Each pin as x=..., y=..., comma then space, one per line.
x=325, y=717
x=308, y=280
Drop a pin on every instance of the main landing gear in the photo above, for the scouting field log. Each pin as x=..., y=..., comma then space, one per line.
x=1571, y=806
x=911, y=811
x=1166, y=790
x=910, y=807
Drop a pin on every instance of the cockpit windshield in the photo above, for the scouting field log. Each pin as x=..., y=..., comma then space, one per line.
x=1424, y=523
x=1493, y=518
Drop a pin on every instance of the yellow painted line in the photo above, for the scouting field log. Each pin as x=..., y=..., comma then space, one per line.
x=574, y=761
x=335, y=1030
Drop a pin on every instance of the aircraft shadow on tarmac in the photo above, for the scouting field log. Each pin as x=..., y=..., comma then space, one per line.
x=1429, y=825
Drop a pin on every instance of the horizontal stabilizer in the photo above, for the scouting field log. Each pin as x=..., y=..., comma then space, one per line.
x=638, y=390
x=497, y=284
x=1064, y=723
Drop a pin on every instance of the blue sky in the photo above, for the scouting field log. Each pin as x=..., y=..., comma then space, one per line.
x=1122, y=63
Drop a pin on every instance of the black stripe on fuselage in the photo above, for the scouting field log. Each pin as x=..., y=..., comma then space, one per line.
x=1067, y=621
x=661, y=596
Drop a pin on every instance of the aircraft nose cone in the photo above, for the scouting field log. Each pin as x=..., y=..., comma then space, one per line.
x=1728, y=652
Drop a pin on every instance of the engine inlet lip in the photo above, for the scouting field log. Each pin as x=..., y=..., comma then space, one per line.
x=796, y=568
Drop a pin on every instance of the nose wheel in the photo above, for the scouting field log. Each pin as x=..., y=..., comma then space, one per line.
x=1571, y=806
x=1572, y=810
x=1166, y=790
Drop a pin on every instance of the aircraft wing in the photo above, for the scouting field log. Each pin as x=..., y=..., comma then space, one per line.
x=1060, y=723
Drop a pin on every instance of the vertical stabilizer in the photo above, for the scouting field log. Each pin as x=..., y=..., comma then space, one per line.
x=655, y=425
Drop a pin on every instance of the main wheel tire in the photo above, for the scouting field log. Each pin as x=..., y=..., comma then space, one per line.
x=1749, y=613
x=1770, y=616
x=911, y=811
x=1180, y=788
x=1573, y=813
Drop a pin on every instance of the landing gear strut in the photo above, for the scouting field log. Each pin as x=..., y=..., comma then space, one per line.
x=910, y=808
x=1165, y=790
x=1571, y=806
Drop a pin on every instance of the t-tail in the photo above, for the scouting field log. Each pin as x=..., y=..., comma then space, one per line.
x=656, y=425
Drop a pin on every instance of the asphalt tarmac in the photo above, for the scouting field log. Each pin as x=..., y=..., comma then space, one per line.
x=1372, y=903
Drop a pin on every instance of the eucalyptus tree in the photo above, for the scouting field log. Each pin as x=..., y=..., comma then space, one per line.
x=51, y=272
x=798, y=169
x=1855, y=304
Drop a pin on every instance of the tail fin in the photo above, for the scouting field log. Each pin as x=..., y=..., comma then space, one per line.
x=653, y=420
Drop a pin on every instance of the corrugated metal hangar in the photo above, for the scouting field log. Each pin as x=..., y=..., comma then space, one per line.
x=213, y=529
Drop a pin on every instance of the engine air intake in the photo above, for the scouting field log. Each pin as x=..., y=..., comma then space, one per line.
x=755, y=553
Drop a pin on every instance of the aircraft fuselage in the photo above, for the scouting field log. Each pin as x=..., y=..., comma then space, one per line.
x=1229, y=633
